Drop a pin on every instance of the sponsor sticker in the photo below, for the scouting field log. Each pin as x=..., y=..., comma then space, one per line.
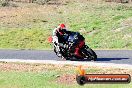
x=83, y=78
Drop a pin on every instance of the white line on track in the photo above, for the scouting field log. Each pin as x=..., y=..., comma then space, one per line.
x=76, y=63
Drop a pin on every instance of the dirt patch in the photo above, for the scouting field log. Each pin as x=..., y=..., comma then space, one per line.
x=29, y=67
x=66, y=79
x=127, y=22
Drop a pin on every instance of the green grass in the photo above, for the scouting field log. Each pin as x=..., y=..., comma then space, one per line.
x=46, y=79
x=29, y=75
x=21, y=39
x=29, y=28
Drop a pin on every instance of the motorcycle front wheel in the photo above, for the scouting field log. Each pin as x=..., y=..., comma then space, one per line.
x=90, y=54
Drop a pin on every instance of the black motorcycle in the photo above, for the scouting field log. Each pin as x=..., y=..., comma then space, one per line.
x=75, y=41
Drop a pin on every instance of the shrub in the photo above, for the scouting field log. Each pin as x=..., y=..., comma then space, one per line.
x=4, y=3
x=41, y=2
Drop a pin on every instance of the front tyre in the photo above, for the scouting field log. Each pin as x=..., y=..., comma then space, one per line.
x=91, y=55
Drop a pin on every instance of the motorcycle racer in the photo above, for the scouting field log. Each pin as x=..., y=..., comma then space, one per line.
x=57, y=36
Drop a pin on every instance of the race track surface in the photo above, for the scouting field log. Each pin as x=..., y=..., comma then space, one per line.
x=104, y=56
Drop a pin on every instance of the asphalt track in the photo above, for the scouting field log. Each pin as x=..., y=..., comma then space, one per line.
x=104, y=56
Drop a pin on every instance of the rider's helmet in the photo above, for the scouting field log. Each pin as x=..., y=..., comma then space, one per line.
x=61, y=29
x=62, y=26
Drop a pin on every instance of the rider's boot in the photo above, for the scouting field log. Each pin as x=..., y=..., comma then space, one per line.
x=58, y=51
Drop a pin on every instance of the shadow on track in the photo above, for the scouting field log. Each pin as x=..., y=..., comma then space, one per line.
x=109, y=59
x=99, y=59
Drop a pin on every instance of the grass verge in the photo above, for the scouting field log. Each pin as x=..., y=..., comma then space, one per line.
x=23, y=75
x=104, y=25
